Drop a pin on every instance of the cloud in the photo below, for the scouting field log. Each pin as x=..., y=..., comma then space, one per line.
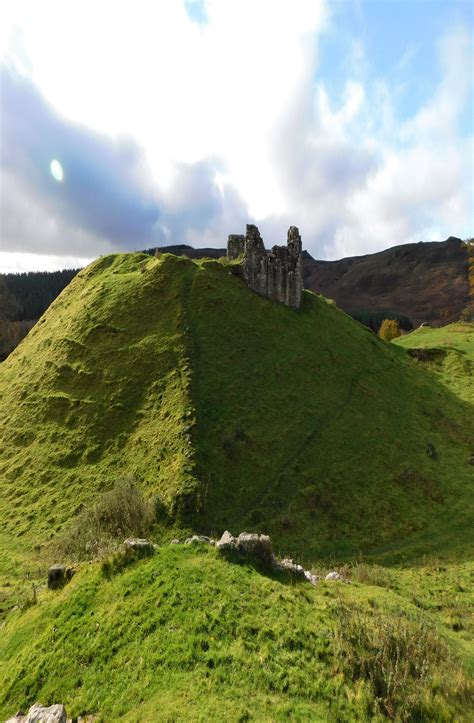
x=107, y=200
x=106, y=193
x=358, y=178
x=182, y=121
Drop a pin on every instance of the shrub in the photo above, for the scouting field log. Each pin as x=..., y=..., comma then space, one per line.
x=403, y=660
x=389, y=329
x=373, y=318
x=120, y=512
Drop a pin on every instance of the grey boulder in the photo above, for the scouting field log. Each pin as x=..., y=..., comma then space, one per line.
x=40, y=714
x=58, y=576
x=255, y=545
x=139, y=544
x=336, y=576
x=199, y=538
x=227, y=542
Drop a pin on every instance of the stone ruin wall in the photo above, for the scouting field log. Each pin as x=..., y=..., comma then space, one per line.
x=276, y=274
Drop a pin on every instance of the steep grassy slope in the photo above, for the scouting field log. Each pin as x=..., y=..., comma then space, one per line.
x=312, y=428
x=234, y=410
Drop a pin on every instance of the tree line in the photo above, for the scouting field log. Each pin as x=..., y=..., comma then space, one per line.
x=23, y=299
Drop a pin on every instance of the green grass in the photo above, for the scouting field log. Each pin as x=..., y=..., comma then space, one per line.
x=231, y=411
x=452, y=350
x=187, y=635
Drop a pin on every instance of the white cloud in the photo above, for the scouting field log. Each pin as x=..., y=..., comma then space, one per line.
x=17, y=263
x=235, y=122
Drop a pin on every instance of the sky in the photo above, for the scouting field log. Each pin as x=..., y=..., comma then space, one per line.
x=127, y=125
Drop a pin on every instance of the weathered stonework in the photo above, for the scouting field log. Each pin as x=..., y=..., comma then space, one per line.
x=276, y=274
x=235, y=245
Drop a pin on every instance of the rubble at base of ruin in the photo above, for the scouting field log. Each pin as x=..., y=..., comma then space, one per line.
x=276, y=274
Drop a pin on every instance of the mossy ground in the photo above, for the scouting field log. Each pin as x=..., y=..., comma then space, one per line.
x=235, y=412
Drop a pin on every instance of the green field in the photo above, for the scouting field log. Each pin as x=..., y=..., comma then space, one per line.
x=231, y=411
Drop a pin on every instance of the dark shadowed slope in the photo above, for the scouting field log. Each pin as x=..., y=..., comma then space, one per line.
x=424, y=281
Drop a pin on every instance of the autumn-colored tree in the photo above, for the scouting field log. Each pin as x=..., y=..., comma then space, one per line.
x=389, y=329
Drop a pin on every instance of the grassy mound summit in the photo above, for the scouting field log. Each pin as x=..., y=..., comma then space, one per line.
x=232, y=411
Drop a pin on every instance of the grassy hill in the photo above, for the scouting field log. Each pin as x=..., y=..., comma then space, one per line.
x=234, y=410
x=231, y=411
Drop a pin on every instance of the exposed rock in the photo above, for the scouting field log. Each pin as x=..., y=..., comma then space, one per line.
x=227, y=542
x=139, y=544
x=311, y=577
x=59, y=575
x=336, y=576
x=199, y=538
x=174, y=542
x=288, y=565
x=40, y=714
x=259, y=546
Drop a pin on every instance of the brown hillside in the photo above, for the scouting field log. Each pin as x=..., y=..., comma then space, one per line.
x=424, y=281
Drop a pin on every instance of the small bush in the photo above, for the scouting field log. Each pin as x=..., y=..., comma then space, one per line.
x=403, y=660
x=121, y=512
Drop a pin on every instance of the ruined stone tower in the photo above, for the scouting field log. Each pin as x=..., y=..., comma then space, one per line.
x=276, y=274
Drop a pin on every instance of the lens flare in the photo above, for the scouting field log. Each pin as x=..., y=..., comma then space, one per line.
x=56, y=170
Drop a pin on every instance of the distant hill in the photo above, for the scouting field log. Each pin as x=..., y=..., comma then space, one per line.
x=412, y=282
x=424, y=281
x=419, y=281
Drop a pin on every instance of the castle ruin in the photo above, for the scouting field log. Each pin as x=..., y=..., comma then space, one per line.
x=276, y=274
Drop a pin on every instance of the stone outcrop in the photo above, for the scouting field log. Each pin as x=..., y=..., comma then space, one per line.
x=276, y=274
x=199, y=538
x=259, y=547
x=40, y=714
x=139, y=544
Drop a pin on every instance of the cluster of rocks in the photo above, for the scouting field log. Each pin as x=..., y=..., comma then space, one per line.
x=259, y=547
x=52, y=714
x=276, y=274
